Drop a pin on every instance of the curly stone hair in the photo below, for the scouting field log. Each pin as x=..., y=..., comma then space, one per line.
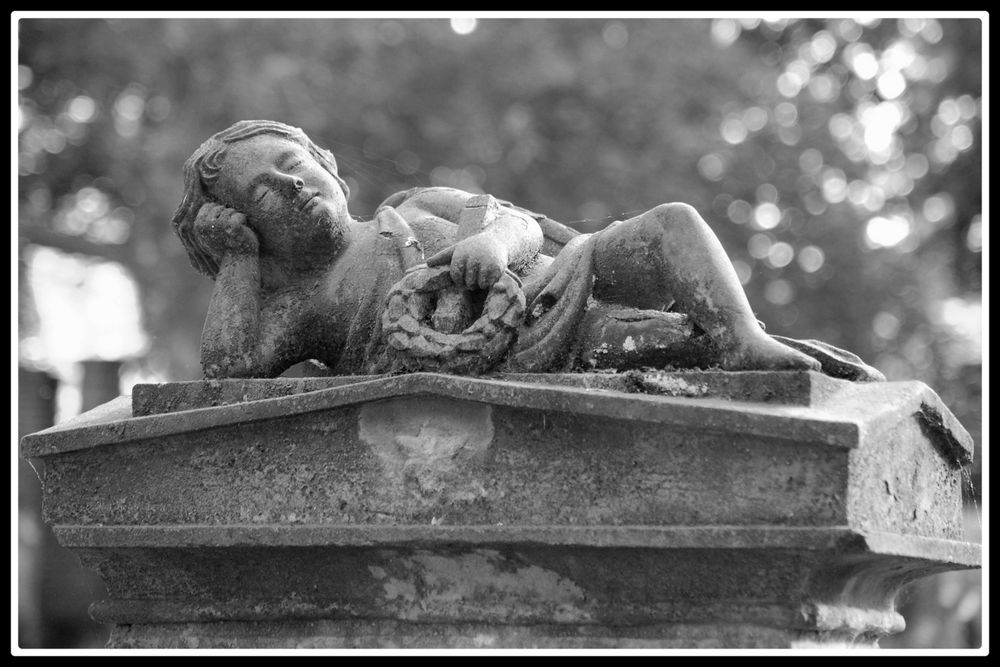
x=202, y=169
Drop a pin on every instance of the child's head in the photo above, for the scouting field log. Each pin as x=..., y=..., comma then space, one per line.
x=203, y=168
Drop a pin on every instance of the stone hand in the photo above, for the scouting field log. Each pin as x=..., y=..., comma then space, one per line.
x=476, y=262
x=224, y=231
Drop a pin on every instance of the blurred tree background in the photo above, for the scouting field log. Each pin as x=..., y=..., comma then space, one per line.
x=838, y=160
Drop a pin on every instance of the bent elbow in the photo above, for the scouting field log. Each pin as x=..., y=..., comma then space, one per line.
x=223, y=366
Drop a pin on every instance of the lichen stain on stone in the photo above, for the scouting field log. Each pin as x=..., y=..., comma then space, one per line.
x=394, y=588
x=483, y=581
x=879, y=619
x=674, y=386
x=427, y=442
x=397, y=588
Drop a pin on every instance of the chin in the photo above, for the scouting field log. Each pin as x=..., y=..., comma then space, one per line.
x=328, y=228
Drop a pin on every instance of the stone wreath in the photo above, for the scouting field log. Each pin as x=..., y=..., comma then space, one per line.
x=429, y=323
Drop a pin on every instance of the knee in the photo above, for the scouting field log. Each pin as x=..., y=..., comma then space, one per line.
x=676, y=213
x=667, y=219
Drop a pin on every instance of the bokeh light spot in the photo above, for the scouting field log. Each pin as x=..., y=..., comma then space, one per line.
x=974, y=237
x=814, y=203
x=834, y=186
x=766, y=192
x=786, y=114
x=968, y=108
x=766, y=216
x=615, y=35
x=949, y=111
x=739, y=211
x=24, y=77
x=849, y=30
x=82, y=109
x=823, y=88
x=961, y=137
x=811, y=259
x=759, y=245
x=943, y=151
x=917, y=165
x=938, y=208
x=780, y=292
x=898, y=56
x=823, y=46
x=811, y=160
x=911, y=27
x=463, y=25
x=129, y=106
x=712, y=167
x=780, y=255
x=725, y=31
x=931, y=31
x=789, y=84
x=891, y=85
x=885, y=325
x=885, y=232
x=841, y=126
x=755, y=118
x=733, y=130
x=864, y=64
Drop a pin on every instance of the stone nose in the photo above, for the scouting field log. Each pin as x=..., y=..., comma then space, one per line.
x=293, y=183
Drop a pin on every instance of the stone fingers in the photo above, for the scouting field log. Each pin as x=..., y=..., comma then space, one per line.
x=471, y=275
x=458, y=270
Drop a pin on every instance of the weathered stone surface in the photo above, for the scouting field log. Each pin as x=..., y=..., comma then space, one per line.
x=627, y=338
x=264, y=214
x=391, y=634
x=176, y=396
x=558, y=454
x=450, y=331
x=430, y=510
x=790, y=388
x=443, y=586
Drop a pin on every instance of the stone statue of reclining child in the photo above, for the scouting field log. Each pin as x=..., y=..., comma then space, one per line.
x=450, y=281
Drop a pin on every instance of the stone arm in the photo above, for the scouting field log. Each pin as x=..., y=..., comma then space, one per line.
x=491, y=236
x=231, y=340
x=447, y=203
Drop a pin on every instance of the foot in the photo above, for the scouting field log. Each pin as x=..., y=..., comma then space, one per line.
x=763, y=353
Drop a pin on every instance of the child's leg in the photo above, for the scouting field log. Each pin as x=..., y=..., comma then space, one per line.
x=670, y=255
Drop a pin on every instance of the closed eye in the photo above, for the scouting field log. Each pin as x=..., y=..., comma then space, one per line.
x=260, y=194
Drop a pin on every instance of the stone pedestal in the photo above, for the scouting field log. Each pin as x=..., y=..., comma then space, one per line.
x=699, y=509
